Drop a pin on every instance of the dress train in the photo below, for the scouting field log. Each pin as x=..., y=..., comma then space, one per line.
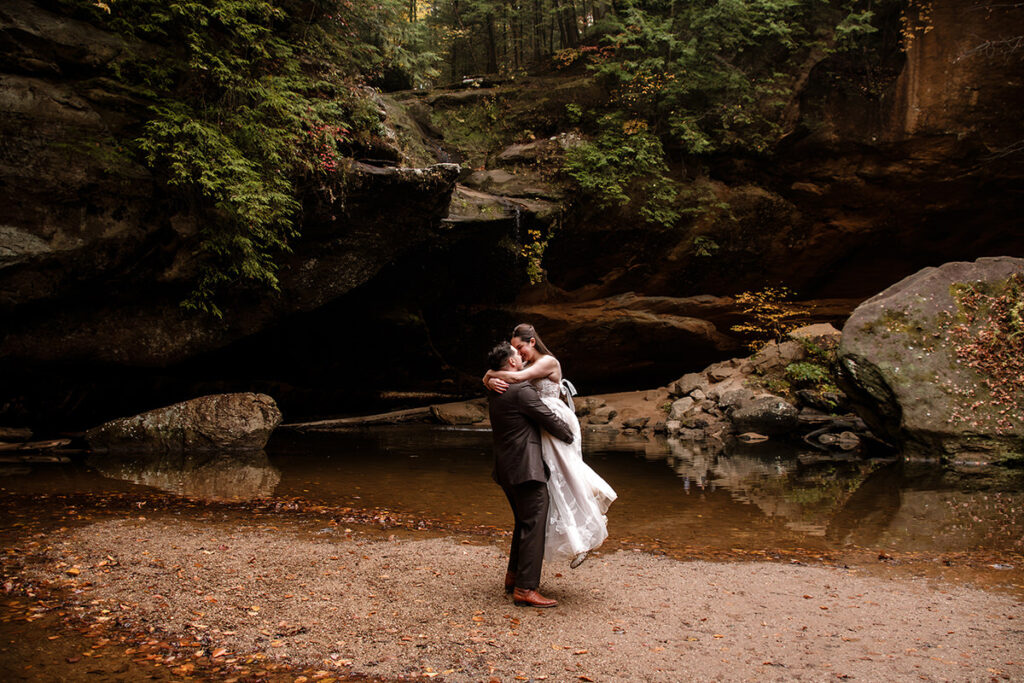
x=579, y=497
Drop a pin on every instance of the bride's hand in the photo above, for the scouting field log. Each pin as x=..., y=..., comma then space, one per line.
x=496, y=384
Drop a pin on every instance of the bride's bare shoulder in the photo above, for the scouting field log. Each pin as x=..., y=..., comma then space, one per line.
x=549, y=362
x=556, y=369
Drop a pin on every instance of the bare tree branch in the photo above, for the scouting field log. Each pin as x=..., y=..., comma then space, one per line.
x=993, y=48
x=1009, y=150
x=1007, y=5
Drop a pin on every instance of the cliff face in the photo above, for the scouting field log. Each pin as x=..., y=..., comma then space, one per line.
x=95, y=255
x=891, y=164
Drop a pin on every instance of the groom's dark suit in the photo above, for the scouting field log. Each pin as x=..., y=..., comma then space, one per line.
x=516, y=418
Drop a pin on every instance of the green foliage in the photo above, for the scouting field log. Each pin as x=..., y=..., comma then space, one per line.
x=807, y=373
x=853, y=27
x=719, y=75
x=704, y=246
x=624, y=162
x=574, y=113
x=252, y=101
x=816, y=372
x=475, y=129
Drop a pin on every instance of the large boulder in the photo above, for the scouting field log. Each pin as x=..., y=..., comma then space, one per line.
x=222, y=422
x=770, y=415
x=935, y=363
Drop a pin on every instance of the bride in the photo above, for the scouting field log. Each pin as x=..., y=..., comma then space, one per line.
x=579, y=497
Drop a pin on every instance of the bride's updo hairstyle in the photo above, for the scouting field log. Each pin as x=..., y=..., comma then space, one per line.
x=526, y=332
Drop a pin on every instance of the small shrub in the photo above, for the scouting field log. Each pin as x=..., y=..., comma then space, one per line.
x=771, y=315
x=533, y=251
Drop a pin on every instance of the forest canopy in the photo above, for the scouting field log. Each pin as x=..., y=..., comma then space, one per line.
x=254, y=102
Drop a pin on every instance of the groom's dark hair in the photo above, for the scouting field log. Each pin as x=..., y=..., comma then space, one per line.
x=499, y=355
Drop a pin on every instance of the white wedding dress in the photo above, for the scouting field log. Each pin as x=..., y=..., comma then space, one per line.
x=579, y=497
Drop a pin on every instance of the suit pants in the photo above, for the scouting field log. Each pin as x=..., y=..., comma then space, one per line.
x=529, y=502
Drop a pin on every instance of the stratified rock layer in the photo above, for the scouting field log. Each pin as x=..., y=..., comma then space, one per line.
x=904, y=371
x=233, y=422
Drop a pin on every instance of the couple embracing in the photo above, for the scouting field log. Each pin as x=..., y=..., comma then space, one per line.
x=557, y=500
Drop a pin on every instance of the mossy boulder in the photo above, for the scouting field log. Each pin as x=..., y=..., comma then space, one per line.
x=935, y=363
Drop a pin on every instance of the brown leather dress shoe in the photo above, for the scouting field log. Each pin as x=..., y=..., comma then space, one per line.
x=510, y=581
x=531, y=598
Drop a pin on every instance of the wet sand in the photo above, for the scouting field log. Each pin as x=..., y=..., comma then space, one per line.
x=334, y=602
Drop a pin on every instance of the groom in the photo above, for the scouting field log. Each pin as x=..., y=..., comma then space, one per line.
x=516, y=418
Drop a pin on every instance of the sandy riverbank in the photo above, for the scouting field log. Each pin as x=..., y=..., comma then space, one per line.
x=339, y=601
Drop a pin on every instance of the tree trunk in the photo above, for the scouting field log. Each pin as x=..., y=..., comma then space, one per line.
x=537, y=33
x=492, y=48
x=572, y=28
x=563, y=35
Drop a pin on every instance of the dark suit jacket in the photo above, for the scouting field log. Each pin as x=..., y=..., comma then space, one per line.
x=516, y=418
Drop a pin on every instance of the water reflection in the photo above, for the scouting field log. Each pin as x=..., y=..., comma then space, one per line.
x=849, y=501
x=771, y=478
x=765, y=496
x=204, y=476
x=700, y=496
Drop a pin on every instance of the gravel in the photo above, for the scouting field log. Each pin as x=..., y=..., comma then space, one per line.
x=435, y=608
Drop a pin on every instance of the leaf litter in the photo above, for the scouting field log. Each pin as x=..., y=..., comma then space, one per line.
x=254, y=601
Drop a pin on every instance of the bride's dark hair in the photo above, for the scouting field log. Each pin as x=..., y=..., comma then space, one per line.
x=526, y=332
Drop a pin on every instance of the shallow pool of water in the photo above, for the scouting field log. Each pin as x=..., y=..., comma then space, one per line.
x=673, y=495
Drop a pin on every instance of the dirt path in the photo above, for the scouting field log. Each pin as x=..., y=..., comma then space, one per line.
x=405, y=608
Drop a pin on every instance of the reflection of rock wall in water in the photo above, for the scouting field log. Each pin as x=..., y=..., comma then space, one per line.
x=744, y=477
x=955, y=521
x=243, y=476
x=807, y=498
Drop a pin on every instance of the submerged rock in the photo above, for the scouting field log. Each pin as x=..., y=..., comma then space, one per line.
x=233, y=422
x=932, y=363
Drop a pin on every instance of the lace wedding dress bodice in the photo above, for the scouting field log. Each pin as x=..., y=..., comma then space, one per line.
x=548, y=388
x=578, y=496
